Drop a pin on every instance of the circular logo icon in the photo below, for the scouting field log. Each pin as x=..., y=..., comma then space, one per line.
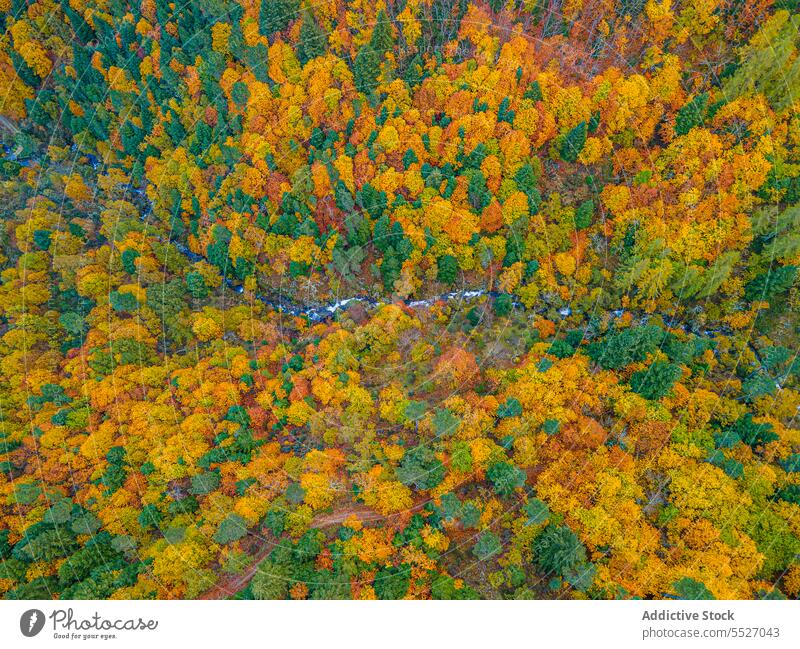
x=31, y=622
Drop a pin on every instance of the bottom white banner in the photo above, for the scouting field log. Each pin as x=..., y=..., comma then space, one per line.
x=406, y=624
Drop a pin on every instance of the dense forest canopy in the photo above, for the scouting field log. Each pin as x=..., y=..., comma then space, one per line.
x=573, y=231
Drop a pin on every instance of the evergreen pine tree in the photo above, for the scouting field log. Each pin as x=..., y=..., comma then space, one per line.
x=572, y=144
x=366, y=68
x=447, y=269
x=313, y=39
x=276, y=15
x=382, y=38
x=367, y=64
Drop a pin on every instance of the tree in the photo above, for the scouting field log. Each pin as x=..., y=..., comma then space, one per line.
x=313, y=39
x=271, y=581
x=232, y=528
x=688, y=588
x=561, y=349
x=445, y=422
x=502, y=305
x=275, y=15
x=196, y=285
x=557, y=549
x=421, y=469
x=538, y=512
x=240, y=94
x=390, y=269
x=618, y=349
x=510, y=408
x=445, y=587
x=656, y=381
x=573, y=142
x=505, y=477
x=447, y=269
x=97, y=553
x=204, y=483
x=382, y=39
x=488, y=545
x=479, y=196
x=124, y=302
x=771, y=283
x=366, y=68
x=583, y=215
x=45, y=545
x=691, y=114
x=392, y=583
x=534, y=91
x=744, y=429
x=128, y=258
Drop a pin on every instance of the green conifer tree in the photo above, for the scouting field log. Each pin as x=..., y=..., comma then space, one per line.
x=313, y=39
x=573, y=142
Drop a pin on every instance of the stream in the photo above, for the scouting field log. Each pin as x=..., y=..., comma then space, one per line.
x=323, y=311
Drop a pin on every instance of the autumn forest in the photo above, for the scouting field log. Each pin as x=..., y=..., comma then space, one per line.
x=406, y=299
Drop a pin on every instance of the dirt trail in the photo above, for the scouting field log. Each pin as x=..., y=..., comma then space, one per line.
x=363, y=513
x=232, y=584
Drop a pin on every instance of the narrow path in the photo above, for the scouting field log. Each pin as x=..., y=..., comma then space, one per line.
x=232, y=584
x=363, y=513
